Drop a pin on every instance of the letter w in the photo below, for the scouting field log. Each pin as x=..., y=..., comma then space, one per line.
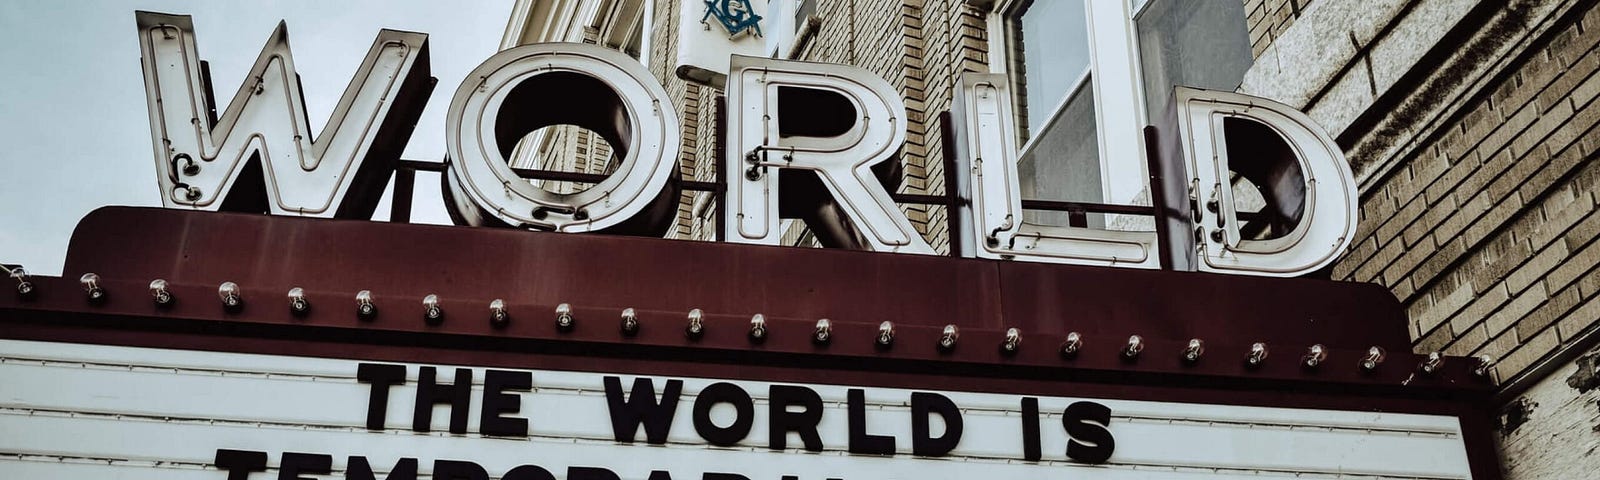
x=260, y=155
x=642, y=407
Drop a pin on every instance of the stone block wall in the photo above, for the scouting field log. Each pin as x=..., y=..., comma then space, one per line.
x=1481, y=206
x=1268, y=19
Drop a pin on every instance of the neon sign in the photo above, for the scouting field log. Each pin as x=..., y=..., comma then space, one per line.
x=830, y=124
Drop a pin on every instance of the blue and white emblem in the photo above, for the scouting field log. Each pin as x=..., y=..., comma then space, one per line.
x=734, y=15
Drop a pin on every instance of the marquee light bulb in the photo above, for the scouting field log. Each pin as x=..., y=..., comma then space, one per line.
x=697, y=325
x=1193, y=351
x=298, y=305
x=432, y=313
x=823, y=333
x=91, y=288
x=1257, y=356
x=1134, y=346
x=366, y=309
x=1484, y=363
x=630, y=322
x=564, y=320
x=24, y=287
x=1315, y=355
x=158, y=290
x=758, y=328
x=1432, y=364
x=1071, y=346
x=231, y=297
x=885, y=338
x=1012, y=341
x=947, y=339
x=498, y=318
x=1373, y=359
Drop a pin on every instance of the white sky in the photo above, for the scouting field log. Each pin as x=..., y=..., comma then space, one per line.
x=74, y=131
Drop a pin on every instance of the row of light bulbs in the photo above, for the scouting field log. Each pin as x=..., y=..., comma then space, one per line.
x=232, y=301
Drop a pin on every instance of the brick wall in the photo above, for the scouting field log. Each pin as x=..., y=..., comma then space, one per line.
x=1268, y=19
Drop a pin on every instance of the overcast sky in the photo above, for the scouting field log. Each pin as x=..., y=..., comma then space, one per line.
x=73, y=122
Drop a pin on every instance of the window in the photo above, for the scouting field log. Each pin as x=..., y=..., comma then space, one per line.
x=1080, y=114
x=1090, y=74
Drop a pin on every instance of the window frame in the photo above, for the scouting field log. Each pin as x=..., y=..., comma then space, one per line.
x=1115, y=79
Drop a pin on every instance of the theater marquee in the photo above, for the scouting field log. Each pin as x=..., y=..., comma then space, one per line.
x=186, y=412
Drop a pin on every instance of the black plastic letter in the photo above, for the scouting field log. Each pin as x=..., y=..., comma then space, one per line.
x=862, y=442
x=782, y=421
x=642, y=408
x=529, y=472
x=458, y=470
x=744, y=414
x=293, y=464
x=239, y=463
x=359, y=469
x=496, y=402
x=923, y=403
x=429, y=392
x=381, y=376
x=1030, y=430
x=1087, y=424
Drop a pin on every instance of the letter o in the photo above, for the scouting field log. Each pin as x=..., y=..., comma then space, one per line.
x=522, y=89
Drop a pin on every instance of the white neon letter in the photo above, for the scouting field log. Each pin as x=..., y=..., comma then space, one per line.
x=1309, y=190
x=526, y=88
x=340, y=173
x=991, y=223
x=842, y=122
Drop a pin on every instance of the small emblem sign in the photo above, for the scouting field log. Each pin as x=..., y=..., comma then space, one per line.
x=734, y=15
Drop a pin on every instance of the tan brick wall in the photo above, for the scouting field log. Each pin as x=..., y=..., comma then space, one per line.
x=1488, y=236
x=1267, y=19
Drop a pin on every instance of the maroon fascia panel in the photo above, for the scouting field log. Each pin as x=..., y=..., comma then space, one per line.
x=662, y=280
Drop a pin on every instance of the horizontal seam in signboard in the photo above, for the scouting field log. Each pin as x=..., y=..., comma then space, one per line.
x=690, y=396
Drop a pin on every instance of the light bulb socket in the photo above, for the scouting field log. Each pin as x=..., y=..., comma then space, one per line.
x=1071, y=345
x=231, y=296
x=1257, y=355
x=498, y=316
x=696, y=328
x=1192, y=351
x=1135, y=346
x=822, y=334
x=91, y=289
x=947, y=338
x=299, y=306
x=565, y=322
x=366, y=306
x=1315, y=355
x=1482, y=366
x=884, y=340
x=1012, y=342
x=629, y=324
x=25, y=288
x=1432, y=364
x=758, y=329
x=1372, y=360
x=432, y=312
x=162, y=296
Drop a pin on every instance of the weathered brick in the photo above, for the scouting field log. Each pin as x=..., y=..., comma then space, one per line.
x=1478, y=311
x=1468, y=341
x=1441, y=259
x=1557, y=222
x=1403, y=265
x=1515, y=124
x=1536, y=267
x=1441, y=306
x=1579, y=320
x=1568, y=79
x=1435, y=340
x=1390, y=229
x=1493, y=219
x=1524, y=355
x=1518, y=308
x=1498, y=346
x=1547, y=313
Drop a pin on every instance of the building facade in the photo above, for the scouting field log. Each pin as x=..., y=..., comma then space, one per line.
x=1469, y=125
